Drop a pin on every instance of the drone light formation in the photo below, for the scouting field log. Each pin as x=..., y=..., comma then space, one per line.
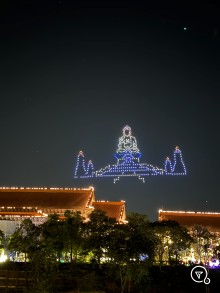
x=128, y=162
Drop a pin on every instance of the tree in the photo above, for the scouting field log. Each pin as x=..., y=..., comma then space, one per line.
x=40, y=250
x=25, y=239
x=73, y=234
x=162, y=237
x=202, y=239
x=98, y=231
x=131, y=250
x=2, y=239
x=172, y=239
x=2, y=243
x=180, y=242
x=52, y=236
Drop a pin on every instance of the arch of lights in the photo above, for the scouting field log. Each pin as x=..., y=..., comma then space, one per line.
x=128, y=162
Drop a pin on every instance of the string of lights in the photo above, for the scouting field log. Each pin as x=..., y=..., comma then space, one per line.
x=128, y=162
x=178, y=167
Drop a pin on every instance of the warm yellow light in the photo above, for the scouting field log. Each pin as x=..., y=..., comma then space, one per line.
x=3, y=257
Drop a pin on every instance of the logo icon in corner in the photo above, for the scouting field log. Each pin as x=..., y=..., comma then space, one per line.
x=199, y=274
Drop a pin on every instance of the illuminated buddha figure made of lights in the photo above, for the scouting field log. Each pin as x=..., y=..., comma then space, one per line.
x=127, y=151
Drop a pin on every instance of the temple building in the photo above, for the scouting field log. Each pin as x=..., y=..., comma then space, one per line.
x=210, y=220
x=17, y=204
x=113, y=209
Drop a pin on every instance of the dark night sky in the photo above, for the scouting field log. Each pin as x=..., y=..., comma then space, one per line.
x=73, y=75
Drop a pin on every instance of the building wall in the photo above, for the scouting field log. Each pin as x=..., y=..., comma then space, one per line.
x=9, y=226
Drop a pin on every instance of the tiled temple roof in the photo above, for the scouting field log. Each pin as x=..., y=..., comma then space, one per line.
x=35, y=202
x=47, y=198
x=114, y=209
x=208, y=219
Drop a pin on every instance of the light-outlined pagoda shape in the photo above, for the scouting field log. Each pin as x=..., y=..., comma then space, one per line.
x=128, y=162
x=178, y=167
x=81, y=170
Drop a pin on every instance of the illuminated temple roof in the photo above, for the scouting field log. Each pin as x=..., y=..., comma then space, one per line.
x=39, y=202
x=210, y=220
x=114, y=209
x=12, y=211
x=47, y=198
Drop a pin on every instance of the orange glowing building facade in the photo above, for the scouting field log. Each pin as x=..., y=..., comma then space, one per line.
x=17, y=204
x=210, y=220
x=113, y=209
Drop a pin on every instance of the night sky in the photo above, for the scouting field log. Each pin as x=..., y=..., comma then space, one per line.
x=73, y=75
